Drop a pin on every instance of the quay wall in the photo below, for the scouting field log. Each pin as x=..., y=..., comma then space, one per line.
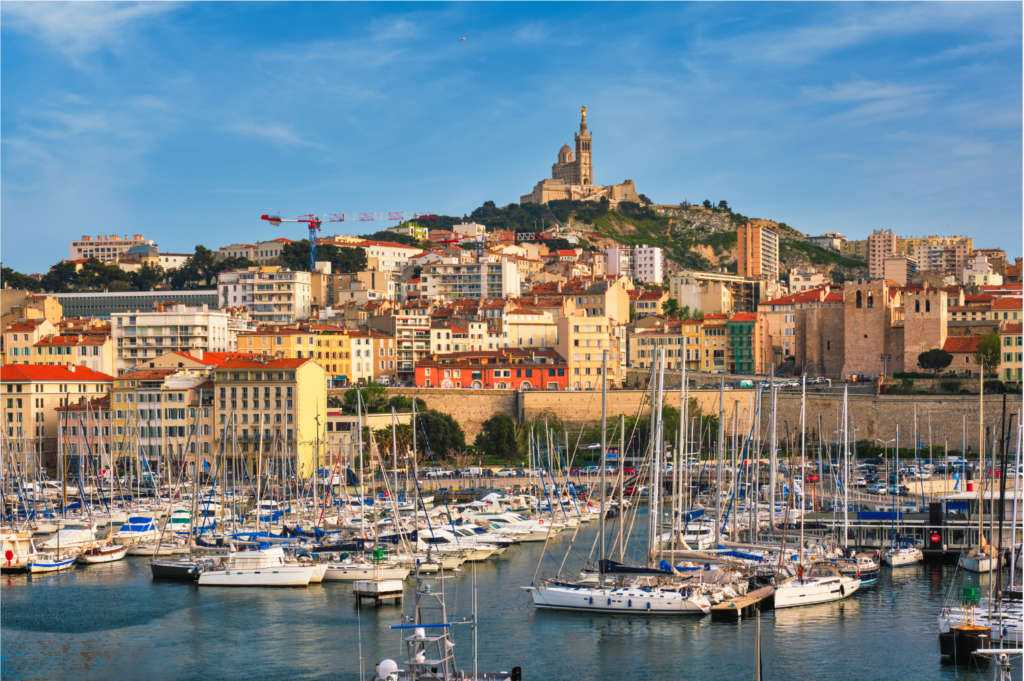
x=873, y=416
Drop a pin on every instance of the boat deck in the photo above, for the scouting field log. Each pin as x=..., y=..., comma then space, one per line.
x=744, y=606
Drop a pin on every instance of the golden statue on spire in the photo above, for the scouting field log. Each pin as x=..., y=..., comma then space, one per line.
x=584, y=113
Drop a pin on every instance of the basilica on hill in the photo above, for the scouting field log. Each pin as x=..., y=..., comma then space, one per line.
x=572, y=176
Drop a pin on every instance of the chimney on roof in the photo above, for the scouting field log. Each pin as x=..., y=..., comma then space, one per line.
x=197, y=353
x=71, y=368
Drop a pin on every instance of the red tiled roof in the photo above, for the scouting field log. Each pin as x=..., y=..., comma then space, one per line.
x=214, y=358
x=70, y=340
x=146, y=374
x=961, y=344
x=1007, y=304
x=28, y=325
x=46, y=372
x=389, y=244
x=1013, y=328
x=744, y=317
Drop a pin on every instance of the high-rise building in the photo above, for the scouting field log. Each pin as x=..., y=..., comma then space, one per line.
x=881, y=243
x=643, y=263
x=271, y=294
x=899, y=268
x=757, y=252
x=142, y=336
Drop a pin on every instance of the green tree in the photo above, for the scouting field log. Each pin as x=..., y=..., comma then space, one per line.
x=499, y=437
x=393, y=237
x=671, y=308
x=723, y=205
x=147, y=277
x=403, y=403
x=697, y=314
x=343, y=259
x=644, y=200
x=334, y=402
x=986, y=357
x=374, y=397
x=934, y=360
x=60, y=278
x=443, y=434
x=684, y=312
x=707, y=203
x=11, y=279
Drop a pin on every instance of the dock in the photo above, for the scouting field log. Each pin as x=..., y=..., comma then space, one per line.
x=744, y=606
x=378, y=590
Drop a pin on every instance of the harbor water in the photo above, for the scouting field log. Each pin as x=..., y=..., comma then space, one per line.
x=112, y=621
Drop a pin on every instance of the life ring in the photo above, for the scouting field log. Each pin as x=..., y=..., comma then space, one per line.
x=541, y=521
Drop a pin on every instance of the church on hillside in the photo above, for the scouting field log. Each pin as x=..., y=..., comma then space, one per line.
x=572, y=176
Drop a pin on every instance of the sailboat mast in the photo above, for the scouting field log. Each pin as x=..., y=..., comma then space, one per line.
x=720, y=462
x=803, y=447
x=846, y=467
x=604, y=457
x=622, y=474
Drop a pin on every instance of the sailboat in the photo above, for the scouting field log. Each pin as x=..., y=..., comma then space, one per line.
x=979, y=559
x=642, y=590
x=902, y=551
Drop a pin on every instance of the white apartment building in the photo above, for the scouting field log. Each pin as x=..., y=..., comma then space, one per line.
x=491, y=277
x=106, y=248
x=142, y=336
x=979, y=272
x=804, y=280
x=270, y=294
x=643, y=263
x=385, y=256
x=648, y=264
x=620, y=260
x=469, y=229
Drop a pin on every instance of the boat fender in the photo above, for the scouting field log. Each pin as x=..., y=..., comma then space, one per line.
x=648, y=605
x=842, y=590
x=591, y=600
x=858, y=574
x=609, y=601
x=630, y=603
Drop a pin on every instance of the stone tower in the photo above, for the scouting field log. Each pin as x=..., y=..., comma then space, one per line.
x=925, y=316
x=583, y=172
x=868, y=319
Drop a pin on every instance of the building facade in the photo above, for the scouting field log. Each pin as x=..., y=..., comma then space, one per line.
x=757, y=252
x=881, y=243
x=140, y=336
x=105, y=248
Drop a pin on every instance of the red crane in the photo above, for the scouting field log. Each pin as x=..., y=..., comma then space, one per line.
x=314, y=222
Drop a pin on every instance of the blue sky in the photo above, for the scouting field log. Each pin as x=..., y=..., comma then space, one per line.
x=186, y=122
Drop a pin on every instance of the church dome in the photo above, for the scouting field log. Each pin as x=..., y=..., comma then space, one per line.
x=142, y=249
x=565, y=154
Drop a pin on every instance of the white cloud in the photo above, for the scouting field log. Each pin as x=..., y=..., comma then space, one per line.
x=874, y=101
x=532, y=33
x=275, y=133
x=78, y=28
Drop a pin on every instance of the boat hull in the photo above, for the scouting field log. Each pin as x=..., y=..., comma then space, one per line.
x=358, y=572
x=174, y=570
x=902, y=558
x=276, y=576
x=620, y=601
x=104, y=555
x=980, y=564
x=52, y=565
x=814, y=594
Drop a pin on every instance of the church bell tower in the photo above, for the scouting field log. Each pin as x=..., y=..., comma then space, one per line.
x=583, y=173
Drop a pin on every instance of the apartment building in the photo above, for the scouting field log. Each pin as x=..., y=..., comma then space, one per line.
x=899, y=268
x=746, y=337
x=830, y=240
x=247, y=251
x=980, y=272
x=529, y=327
x=32, y=395
x=581, y=341
x=680, y=340
x=855, y=250
x=106, y=248
x=140, y=336
x=719, y=292
x=20, y=338
x=152, y=416
x=269, y=408
x=409, y=325
x=715, y=333
x=946, y=255
x=329, y=346
x=642, y=263
x=271, y=294
x=374, y=357
x=511, y=369
x=881, y=243
x=491, y=277
x=646, y=303
x=804, y=279
x=93, y=351
x=620, y=260
x=359, y=287
x=1011, y=341
x=757, y=252
x=268, y=251
x=105, y=304
x=386, y=256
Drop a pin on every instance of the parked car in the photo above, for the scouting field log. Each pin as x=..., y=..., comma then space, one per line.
x=506, y=473
x=860, y=481
x=876, y=488
x=592, y=470
x=436, y=473
x=812, y=477
x=634, y=491
x=629, y=470
x=871, y=478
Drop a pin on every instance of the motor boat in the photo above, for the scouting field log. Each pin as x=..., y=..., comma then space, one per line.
x=637, y=598
x=261, y=567
x=71, y=535
x=137, y=529
x=18, y=551
x=51, y=562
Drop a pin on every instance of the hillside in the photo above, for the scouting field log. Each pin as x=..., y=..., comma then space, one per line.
x=692, y=236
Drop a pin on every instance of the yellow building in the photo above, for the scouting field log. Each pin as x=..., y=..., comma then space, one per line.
x=1011, y=341
x=581, y=340
x=855, y=250
x=33, y=394
x=154, y=417
x=273, y=403
x=681, y=341
x=330, y=346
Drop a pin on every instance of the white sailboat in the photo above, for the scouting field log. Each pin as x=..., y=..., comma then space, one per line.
x=103, y=554
x=816, y=584
x=71, y=535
